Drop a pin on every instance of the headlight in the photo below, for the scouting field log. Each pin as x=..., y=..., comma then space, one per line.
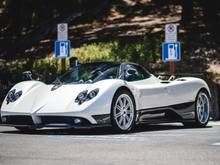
x=92, y=94
x=81, y=97
x=13, y=96
x=85, y=96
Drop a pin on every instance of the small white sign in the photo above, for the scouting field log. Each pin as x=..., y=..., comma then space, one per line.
x=170, y=33
x=62, y=32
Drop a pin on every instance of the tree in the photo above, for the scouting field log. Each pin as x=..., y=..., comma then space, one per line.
x=187, y=11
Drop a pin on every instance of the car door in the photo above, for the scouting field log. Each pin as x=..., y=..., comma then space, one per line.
x=148, y=95
x=181, y=91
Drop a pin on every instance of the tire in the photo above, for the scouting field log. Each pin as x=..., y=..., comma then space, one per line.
x=202, y=110
x=123, y=111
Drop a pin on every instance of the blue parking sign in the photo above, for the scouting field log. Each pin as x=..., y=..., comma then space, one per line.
x=171, y=51
x=62, y=49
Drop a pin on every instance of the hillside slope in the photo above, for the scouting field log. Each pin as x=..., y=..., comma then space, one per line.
x=127, y=20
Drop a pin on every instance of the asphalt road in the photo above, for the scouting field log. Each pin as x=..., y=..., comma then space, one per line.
x=169, y=144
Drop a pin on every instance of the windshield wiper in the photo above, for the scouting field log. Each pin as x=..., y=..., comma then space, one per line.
x=57, y=82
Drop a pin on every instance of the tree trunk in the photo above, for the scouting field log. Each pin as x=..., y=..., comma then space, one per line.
x=187, y=11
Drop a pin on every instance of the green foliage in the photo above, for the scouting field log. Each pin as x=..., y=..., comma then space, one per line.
x=143, y=51
x=43, y=68
x=14, y=66
x=40, y=68
x=94, y=52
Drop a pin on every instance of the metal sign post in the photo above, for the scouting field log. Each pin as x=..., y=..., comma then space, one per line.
x=172, y=68
x=171, y=48
x=62, y=36
x=62, y=45
x=62, y=50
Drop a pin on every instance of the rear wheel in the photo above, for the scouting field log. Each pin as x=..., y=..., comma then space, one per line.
x=123, y=111
x=202, y=110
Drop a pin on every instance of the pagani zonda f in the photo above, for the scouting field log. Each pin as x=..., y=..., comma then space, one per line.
x=106, y=93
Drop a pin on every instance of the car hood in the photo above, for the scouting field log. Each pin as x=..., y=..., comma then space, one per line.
x=38, y=97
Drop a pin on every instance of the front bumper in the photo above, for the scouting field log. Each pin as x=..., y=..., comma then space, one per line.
x=27, y=120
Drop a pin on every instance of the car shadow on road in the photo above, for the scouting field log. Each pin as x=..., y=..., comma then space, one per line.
x=101, y=130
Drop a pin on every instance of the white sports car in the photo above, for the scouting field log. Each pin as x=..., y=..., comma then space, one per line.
x=106, y=93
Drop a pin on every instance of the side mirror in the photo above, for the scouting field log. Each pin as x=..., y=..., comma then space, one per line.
x=73, y=62
x=27, y=75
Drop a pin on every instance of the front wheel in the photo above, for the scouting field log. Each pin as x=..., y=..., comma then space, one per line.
x=123, y=111
x=202, y=110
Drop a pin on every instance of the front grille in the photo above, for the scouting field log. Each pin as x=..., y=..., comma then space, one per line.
x=56, y=120
x=63, y=120
x=18, y=120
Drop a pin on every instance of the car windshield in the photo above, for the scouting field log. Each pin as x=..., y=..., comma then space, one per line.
x=90, y=73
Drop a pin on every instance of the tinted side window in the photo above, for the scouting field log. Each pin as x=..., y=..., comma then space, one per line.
x=142, y=72
x=110, y=73
x=135, y=73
